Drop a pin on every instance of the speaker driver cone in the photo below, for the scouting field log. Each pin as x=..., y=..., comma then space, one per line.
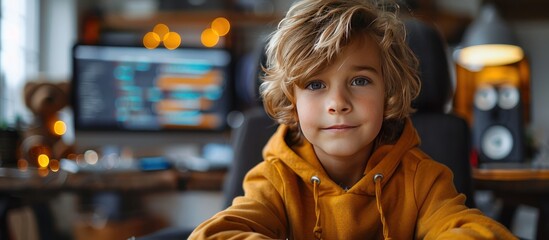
x=497, y=142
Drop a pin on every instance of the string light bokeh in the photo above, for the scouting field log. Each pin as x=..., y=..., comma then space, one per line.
x=209, y=37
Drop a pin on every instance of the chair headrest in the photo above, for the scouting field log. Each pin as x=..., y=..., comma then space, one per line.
x=430, y=49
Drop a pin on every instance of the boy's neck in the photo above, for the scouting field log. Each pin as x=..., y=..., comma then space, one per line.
x=345, y=171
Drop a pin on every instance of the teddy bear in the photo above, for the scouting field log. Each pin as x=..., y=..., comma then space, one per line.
x=44, y=135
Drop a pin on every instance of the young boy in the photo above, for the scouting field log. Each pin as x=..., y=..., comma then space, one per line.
x=345, y=162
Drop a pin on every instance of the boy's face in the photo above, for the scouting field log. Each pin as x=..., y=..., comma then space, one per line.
x=340, y=110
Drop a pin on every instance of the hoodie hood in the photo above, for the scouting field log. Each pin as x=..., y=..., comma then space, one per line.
x=381, y=165
x=303, y=161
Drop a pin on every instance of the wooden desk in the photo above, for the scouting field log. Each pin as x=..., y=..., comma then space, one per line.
x=13, y=181
x=518, y=186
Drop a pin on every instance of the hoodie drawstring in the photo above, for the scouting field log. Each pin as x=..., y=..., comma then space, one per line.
x=318, y=229
x=378, y=177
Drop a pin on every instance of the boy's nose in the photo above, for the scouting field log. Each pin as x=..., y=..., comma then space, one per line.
x=338, y=102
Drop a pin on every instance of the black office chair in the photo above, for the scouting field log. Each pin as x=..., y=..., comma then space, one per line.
x=444, y=136
x=248, y=142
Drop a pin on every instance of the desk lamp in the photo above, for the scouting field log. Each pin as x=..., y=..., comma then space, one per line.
x=492, y=86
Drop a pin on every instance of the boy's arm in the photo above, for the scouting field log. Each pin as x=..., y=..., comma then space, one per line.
x=258, y=215
x=442, y=211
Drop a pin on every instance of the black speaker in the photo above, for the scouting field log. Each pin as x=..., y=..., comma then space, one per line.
x=497, y=125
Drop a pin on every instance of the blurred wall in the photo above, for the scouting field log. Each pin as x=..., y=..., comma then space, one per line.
x=57, y=36
x=533, y=37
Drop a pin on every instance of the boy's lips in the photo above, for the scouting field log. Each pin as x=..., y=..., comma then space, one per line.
x=340, y=127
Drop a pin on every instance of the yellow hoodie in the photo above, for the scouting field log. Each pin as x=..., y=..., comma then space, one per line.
x=402, y=195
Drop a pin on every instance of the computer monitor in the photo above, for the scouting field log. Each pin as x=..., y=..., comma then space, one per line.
x=139, y=89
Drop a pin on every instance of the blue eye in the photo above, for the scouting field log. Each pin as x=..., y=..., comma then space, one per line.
x=360, y=81
x=315, y=85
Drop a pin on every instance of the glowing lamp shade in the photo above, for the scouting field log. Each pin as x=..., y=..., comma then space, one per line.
x=490, y=55
x=488, y=42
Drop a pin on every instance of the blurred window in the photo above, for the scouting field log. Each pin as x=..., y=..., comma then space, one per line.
x=18, y=55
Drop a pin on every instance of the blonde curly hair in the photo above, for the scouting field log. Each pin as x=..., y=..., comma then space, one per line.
x=310, y=37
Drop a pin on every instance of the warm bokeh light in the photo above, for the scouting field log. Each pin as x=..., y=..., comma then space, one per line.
x=221, y=26
x=22, y=165
x=54, y=165
x=91, y=157
x=59, y=128
x=172, y=40
x=151, y=40
x=161, y=33
x=209, y=38
x=43, y=160
x=161, y=29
